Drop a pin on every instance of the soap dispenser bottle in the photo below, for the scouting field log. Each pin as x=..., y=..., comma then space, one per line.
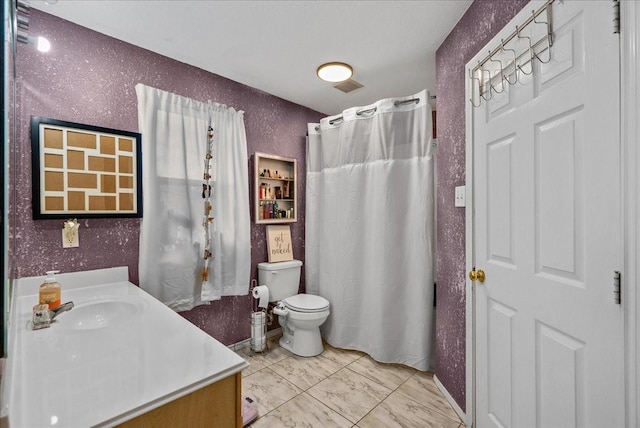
x=50, y=292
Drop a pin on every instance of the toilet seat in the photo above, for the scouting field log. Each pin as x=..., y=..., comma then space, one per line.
x=308, y=303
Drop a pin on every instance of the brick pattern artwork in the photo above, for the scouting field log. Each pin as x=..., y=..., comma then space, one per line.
x=86, y=172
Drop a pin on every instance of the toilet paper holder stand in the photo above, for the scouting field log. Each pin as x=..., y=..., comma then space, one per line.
x=260, y=319
x=258, y=341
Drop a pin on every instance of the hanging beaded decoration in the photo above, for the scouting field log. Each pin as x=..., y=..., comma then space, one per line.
x=206, y=195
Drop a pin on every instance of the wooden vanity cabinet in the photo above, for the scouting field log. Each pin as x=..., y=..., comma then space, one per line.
x=217, y=405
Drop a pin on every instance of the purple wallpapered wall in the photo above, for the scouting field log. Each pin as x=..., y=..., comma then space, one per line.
x=479, y=24
x=89, y=78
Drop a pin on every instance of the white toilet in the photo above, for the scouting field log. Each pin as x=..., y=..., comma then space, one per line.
x=300, y=315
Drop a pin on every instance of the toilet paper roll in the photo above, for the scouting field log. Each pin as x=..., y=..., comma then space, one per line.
x=261, y=292
x=258, y=337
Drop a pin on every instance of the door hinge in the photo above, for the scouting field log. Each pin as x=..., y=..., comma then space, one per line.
x=616, y=287
x=616, y=17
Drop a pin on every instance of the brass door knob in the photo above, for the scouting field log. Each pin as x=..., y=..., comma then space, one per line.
x=477, y=275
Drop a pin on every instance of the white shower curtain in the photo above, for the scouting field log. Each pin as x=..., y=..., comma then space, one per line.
x=172, y=236
x=369, y=228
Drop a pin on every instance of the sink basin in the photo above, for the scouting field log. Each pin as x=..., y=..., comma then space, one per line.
x=101, y=313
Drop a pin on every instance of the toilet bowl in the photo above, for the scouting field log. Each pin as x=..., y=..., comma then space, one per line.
x=301, y=317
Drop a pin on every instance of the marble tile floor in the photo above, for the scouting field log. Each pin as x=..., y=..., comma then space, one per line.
x=341, y=388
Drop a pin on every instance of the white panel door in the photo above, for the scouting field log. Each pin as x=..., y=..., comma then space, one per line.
x=546, y=182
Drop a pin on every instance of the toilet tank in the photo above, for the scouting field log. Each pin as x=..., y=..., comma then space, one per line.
x=281, y=278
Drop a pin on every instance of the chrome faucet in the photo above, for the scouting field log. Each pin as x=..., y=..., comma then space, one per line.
x=60, y=309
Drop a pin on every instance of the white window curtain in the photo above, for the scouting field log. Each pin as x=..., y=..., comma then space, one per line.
x=369, y=228
x=172, y=236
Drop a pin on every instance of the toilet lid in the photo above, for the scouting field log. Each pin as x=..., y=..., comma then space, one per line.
x=306, y=303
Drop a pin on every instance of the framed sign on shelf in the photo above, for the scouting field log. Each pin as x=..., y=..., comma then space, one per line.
x=279, y=248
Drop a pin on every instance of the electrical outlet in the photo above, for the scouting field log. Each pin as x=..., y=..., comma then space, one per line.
x=460, y=196
x=70, y=243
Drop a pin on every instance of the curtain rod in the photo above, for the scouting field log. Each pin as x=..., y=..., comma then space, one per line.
x=373, y=109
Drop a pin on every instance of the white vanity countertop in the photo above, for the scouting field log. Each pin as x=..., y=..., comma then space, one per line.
x=63, y=376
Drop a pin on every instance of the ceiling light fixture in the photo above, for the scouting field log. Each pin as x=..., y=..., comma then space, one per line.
x=335, y=71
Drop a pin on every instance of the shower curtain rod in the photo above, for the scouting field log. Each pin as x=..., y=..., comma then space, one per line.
x=373, y=109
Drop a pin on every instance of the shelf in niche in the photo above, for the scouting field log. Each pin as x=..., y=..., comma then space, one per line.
x=276, y=179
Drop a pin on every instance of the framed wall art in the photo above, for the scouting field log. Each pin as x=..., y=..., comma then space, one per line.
x=279, y=248
x=84, y=171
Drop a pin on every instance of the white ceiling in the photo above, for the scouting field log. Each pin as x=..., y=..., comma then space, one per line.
x=276, y=46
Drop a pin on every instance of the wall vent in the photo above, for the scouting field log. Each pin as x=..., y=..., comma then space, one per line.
x=348, y=86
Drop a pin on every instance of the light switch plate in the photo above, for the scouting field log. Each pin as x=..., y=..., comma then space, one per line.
x=460, y=196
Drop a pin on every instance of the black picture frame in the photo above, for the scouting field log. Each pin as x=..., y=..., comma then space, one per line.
x=67, y=170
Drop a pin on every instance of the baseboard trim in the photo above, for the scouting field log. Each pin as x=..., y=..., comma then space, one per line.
x=246, y=342
x=449, y=398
